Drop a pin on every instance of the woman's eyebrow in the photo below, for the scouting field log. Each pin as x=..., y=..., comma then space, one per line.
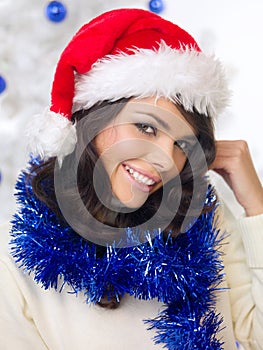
x=165, y=125
x=159, y=120
x=192, y=138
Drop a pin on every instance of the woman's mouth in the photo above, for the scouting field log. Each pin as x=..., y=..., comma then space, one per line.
x=145, y=183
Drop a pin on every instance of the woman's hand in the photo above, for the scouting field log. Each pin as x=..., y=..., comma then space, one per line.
x=234, y=163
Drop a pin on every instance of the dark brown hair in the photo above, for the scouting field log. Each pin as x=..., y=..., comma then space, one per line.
x=191, y=176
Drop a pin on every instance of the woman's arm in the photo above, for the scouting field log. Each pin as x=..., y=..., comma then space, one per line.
x=17, y=329
x=244, y=253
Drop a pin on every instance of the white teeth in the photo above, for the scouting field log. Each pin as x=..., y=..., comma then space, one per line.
x=139, y=177
x=149, y=182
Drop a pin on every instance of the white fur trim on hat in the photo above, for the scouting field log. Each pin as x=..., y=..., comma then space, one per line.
x=51, y=135
x=185, y=75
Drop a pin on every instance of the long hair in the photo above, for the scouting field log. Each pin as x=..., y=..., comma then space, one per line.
x=191, y=177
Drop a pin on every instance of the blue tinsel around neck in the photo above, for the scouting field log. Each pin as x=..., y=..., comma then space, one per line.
x=182, y=273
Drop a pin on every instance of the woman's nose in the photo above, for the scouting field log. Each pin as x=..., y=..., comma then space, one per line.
x=162, y=156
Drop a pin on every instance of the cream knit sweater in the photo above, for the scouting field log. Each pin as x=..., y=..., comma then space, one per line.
x=34, y=319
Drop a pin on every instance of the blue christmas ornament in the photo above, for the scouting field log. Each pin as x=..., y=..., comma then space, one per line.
x=56, y=11
x=2, y=84
x=156, y=6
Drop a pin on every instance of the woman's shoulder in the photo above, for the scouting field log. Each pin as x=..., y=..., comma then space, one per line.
x=4, y=239
x=6, y=260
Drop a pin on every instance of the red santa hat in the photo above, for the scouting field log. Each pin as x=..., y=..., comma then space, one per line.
x=126, y=53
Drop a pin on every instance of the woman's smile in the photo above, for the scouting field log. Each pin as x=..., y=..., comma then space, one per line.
x=145, y=181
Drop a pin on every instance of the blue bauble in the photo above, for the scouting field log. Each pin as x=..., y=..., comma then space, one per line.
x=56, y=11
x=2, y=84
x=156, y=6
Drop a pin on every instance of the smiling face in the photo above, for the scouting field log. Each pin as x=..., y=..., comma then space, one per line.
x=143, y=148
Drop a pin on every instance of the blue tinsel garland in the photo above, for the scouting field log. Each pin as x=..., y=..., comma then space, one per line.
x=182, y=273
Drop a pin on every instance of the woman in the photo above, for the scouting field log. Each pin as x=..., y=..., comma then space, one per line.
x=117, y=209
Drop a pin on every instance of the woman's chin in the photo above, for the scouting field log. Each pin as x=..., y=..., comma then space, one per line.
x=134, y=201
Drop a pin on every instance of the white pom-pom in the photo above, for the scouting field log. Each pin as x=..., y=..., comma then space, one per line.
x=51, y=135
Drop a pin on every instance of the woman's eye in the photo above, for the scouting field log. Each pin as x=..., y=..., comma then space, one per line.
x=146, y=128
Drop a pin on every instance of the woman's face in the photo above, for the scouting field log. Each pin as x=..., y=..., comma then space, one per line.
x=143, y=148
